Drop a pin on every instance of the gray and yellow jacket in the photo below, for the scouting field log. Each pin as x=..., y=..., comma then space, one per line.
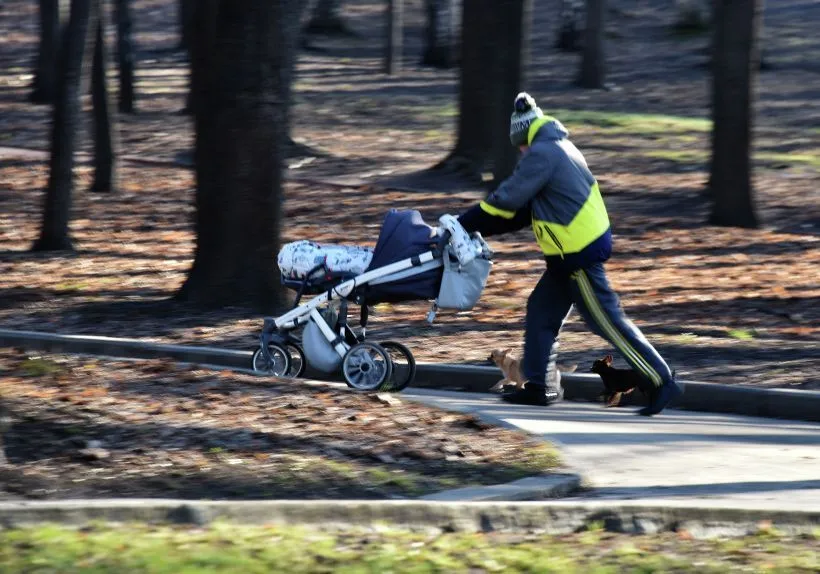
x=552, y=189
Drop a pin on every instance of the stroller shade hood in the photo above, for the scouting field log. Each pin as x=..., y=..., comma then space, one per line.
x=404, y=234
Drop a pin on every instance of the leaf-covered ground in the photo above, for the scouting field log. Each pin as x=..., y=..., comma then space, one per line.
x=89, y=428
x=722, y=305
x=225, y=548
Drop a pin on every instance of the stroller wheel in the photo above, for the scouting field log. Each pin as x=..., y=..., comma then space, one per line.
x=367, y=367
x=404, y=366
x=279, y=365
x=298, y=363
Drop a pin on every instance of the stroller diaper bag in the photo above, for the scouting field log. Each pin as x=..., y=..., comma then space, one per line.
x=461, y=285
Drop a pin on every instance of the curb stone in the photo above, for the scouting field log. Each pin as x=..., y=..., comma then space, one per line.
x=707, y=397
x=530, y=488
x=554, y=517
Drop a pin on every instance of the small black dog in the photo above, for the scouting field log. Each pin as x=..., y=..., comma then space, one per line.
x=617, y=382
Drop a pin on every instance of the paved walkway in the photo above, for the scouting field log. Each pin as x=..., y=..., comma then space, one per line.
x=678, y=455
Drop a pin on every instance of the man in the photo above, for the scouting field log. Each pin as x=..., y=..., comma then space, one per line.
x=553, y=190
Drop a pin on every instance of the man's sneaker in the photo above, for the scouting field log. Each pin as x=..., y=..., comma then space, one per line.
x=535, y=395
x=661, y=397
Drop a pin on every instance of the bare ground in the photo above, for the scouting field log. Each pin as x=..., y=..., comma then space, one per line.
x=95, y=428
x=723, y=305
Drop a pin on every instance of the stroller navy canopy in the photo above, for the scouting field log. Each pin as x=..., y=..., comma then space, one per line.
x=404, y=234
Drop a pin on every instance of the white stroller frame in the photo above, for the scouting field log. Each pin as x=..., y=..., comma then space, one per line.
x=277, y=346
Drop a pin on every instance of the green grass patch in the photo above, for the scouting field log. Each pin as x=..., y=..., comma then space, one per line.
x=741, y=334
x=612, y=122
x=701, y=156
x=38, y=367
x=679, y=156
x=71, y=286
x=809, y=159
x=223, y=548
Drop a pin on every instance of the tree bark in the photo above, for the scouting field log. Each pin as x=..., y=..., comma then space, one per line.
x=242, y=73
x=395, y=32
x=186, y=14
x=571, y=29
x=735, y=65
x=326, y=19
x=692, y=16
x=45, y=73
x=54, y=232
x=125, y=55
x=440, y=37
x=102, y=119
x=494, y=51
x=593, y=64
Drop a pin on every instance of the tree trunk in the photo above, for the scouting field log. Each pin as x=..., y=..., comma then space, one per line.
x=54, y=232
x=572, y=26
x=494, y=49
x=186, y=14
x=692, y=16
x=103, y=121
x=395, y=32
x=44, y=85
x=242, y=73
x=593, y=63
x=125, y=55
x=733, y=82
x=326, y=19
x=440, y=37
x=511, y=60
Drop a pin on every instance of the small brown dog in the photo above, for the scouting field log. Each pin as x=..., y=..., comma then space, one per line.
x=617, y=382
x=510, y=367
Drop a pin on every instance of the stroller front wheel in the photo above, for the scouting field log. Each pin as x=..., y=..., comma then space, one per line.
x=279, y=364
x=367, y=366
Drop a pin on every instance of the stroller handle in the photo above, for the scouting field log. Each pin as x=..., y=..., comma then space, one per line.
x=443, y=239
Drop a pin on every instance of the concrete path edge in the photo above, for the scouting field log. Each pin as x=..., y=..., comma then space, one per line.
x=553, y=517
x=707, y=397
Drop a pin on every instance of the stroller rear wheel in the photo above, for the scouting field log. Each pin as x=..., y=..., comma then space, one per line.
x=367, y=367
x=298, y=362
x=404, y=366
x=279, y=364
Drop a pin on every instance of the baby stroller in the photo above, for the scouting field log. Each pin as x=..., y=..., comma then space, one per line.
x=412, y=261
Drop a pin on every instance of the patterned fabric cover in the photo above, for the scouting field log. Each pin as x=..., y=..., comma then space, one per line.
x=298, y=258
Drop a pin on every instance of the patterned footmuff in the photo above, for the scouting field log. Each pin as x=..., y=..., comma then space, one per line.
x=298, y=258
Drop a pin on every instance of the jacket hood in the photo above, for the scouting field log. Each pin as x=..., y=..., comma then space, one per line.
x=547, y=127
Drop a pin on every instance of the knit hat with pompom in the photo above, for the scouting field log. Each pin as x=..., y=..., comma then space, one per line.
x=524, y=113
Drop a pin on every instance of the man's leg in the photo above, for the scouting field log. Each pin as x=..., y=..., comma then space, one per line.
x=547, y=309
x=601, y=309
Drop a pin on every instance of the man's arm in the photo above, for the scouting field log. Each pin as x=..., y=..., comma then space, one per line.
x=477, y=219
x=507, y=208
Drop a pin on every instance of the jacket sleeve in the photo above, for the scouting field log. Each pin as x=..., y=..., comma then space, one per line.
x=531, y=174
x=477, y=219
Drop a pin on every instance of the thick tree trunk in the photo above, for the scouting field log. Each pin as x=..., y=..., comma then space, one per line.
x=395, y=32
x=186, y=15
x=495, y=47
x=441, y=33
x=54, y=232
x=511, y=61
x=125, y=55
x=102, y=119
x=733, y=83
x=242, y=74
x=326, y=19
x=572, y=17
x=45, y=73
x=593, y=60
